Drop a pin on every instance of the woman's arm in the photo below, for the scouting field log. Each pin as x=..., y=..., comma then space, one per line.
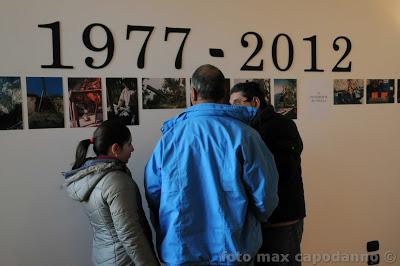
x=121, y=193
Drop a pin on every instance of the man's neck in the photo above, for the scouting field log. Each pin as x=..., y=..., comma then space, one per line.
x=199, y=101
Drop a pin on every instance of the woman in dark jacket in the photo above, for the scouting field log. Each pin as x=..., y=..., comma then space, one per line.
x=111, y=199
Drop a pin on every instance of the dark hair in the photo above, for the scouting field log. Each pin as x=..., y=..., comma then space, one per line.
x=130, y=83
x=209, y=82
x=108, y=133
x=250, y=90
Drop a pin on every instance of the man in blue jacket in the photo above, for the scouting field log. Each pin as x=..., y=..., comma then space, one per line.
x=210, y=180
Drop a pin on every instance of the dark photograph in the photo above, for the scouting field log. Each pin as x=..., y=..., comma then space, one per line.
x=348, y=91
x=85, y=102
x=10, y=103
x=163, y=93
x=285, y=97
x=398, y=90
x=122, y=100
x=45, y=102
x=380, y=91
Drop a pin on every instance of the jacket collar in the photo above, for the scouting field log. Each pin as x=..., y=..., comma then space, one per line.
x=92, y=162
x=266, y=114
x=241, y=113
x=80, y=182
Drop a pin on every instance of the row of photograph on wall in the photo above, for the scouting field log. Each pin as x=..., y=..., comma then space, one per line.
x=45, y=101
x=351, y=91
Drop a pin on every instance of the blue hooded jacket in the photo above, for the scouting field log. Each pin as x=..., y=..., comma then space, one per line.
x=208, y=182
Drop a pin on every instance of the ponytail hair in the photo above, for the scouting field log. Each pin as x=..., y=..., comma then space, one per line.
x=107, y=134
x=81, y=152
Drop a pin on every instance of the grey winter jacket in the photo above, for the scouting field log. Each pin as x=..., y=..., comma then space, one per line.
x=111, y=200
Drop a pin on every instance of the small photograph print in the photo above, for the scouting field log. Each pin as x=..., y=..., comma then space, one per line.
x=398, y=90
x=85, y=102
x=265, y=85
x=348, y=91
x=380, y=91
x=10, y=103
x=122, y=100
x=163, y=93
x=45, y=102
x=285, y=97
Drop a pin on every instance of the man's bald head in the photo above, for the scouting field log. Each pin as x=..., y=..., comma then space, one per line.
x=209, y=83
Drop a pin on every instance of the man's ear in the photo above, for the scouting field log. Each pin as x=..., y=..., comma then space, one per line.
x=256, y=102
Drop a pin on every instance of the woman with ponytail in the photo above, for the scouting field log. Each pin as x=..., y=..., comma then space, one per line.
x=111, y=199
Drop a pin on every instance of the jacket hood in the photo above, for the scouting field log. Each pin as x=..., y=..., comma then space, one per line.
x=79, y=183
x=242, y=113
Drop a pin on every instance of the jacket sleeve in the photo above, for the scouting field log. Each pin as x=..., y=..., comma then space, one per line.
x=152, y=183
x=284, y=141
x=121, y=194
x=260, y=176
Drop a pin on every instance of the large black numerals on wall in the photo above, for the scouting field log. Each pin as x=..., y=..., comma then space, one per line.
x=277, y=43
x=280, y=65
x=313, y=40
x=346, y=53
x=275, y=52
x=55, y=30
x=178, y=60
x=149, y=29
x=258, y=48
x=109, y=45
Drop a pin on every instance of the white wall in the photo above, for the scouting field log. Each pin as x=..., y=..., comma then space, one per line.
x=350, y=160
